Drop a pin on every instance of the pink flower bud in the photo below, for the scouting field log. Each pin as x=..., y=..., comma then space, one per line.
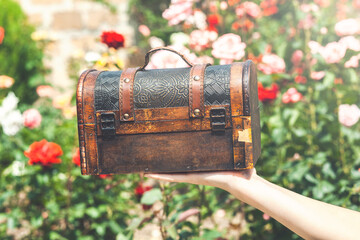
x=32, y=118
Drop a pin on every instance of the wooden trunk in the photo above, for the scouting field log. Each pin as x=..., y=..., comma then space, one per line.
x=201, y=118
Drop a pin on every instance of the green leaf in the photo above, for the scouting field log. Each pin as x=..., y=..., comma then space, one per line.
x=172, y=232
x=150, y=197
x=93, y=212
x=121, y=236
x=327, y=170
x=100, y=229
x=134, y=224
x=210, y=234
x=57, y=236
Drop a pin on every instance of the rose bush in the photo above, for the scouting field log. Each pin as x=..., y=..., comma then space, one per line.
x=307, y=54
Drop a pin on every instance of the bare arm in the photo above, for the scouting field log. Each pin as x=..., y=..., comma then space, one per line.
x=309, y=218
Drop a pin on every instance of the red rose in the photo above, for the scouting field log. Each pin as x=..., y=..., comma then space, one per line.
x=76, y=157
x=141, y=189
x=44, y=153
x=103, y=176
x=213, y=19
x=267, y=94
x=269, y=7
x=300, y=79
x=2, y=34
x=139, y=192
x=113, y=39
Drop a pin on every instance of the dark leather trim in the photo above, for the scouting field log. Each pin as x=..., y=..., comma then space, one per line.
x=89, y=126
x=126, y=94
x=196, y=91
x=80, y=116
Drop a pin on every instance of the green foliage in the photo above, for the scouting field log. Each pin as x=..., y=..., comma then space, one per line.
x=20, y=56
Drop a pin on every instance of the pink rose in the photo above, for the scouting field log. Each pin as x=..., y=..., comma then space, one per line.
x=322, y=3
x=179, y=10
x=348, y=26
x=297, y=57
x=356, y=4
x=306, y=8
x=144, y=30
x=223, y=5
x=6, y=81
x=271, y=63
x=317, y=75
x=166, y=59
x=250, y=8
x=307, y=22
x=200, y=39
x=350, y=42
x=353, y=62
x=266, y=217
x=228, y=48
x=44, y=91
x=323, y=30
x=348, y=114
x=333, y=52
x=204, y=60
x=291, y=96
x=315, y=47
x=32, y=118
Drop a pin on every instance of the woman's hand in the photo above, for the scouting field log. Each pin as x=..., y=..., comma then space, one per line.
x=225, y=179
x=309, y=218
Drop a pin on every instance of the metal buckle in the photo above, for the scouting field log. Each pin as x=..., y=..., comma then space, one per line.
x=107, y=124
x=218, y=119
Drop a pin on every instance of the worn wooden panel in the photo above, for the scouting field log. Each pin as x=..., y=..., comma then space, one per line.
x=167, y=152
x=157, y=123
x=239, y=147
x=249, y=158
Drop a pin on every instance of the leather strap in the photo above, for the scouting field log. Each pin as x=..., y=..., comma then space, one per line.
x=236, y=101
x=126, y=96
x=196, y=91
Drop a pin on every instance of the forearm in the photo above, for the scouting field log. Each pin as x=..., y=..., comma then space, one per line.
x=309, y=218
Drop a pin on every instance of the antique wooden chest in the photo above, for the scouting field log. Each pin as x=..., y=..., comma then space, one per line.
x=200, y=118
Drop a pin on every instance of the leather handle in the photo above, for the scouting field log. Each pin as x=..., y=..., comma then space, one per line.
x=147, y=56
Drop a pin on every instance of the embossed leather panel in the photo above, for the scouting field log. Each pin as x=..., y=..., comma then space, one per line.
x=107, y=91
x=163, y=88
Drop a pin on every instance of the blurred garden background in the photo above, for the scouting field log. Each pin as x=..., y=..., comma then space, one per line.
x=307, y=54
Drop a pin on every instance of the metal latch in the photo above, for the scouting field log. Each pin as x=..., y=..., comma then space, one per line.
x=218, y=119
x=107, y=124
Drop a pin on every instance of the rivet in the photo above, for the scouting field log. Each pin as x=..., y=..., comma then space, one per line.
x=238, y=127
x=196, y=78
x=146, y=169
x=197, y=112
x=126, y=80
x=126, y=116
x=90, y=134
x=188, y=167
x=238, y=164
x=90, y=117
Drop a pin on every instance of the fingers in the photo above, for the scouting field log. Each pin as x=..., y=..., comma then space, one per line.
x=189, y=178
